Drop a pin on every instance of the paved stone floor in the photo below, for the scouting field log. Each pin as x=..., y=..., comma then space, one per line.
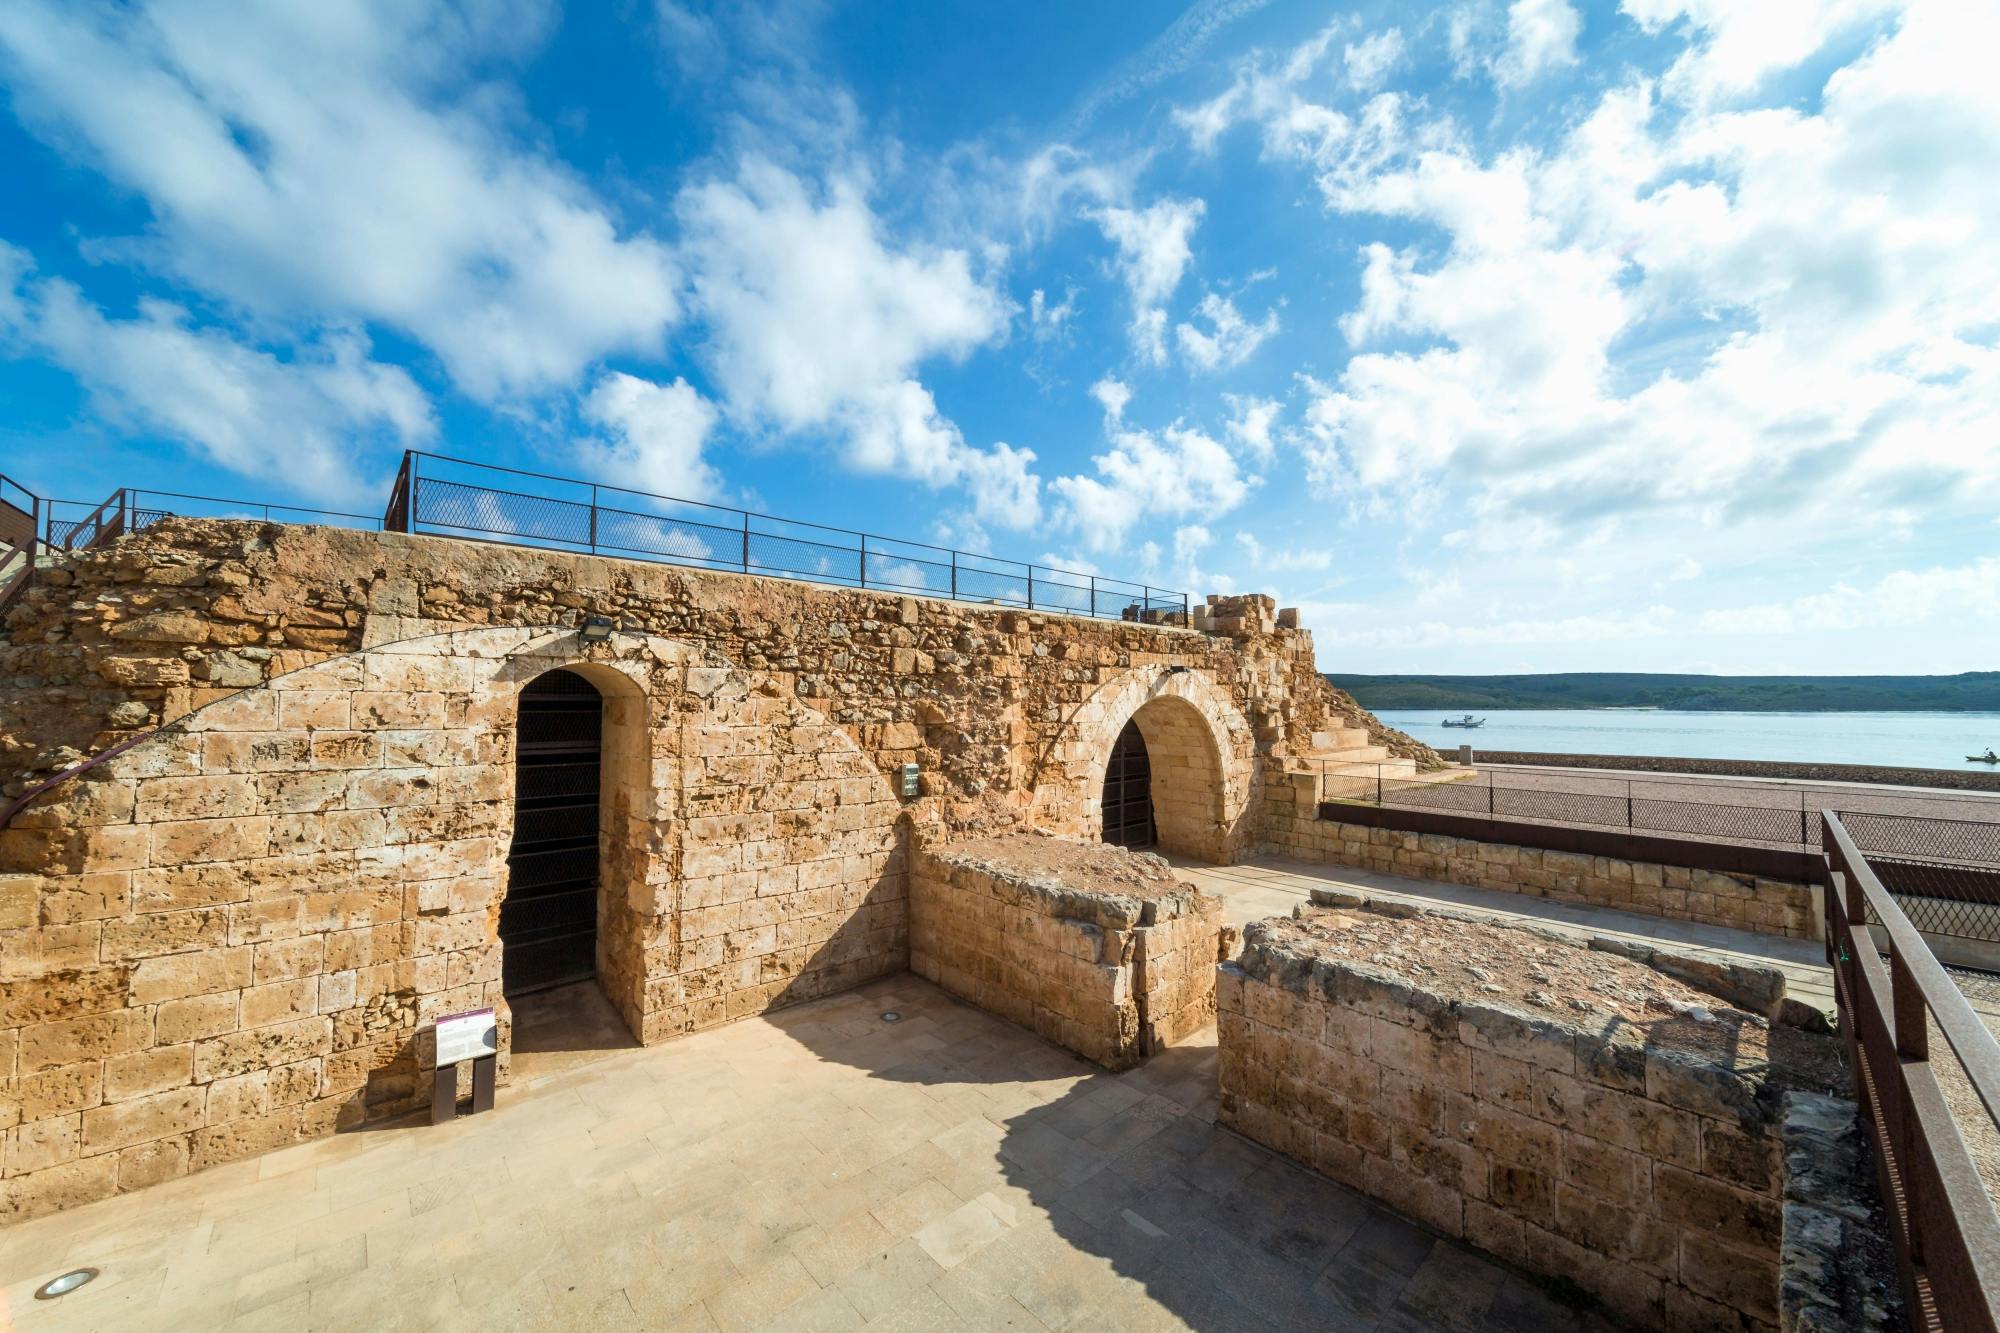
x=820, y=1168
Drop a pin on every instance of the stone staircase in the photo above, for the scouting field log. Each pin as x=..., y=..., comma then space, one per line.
x=1344, y=764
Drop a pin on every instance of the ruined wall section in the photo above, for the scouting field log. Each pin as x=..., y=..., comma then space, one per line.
x=235, y=935
x=125, y=638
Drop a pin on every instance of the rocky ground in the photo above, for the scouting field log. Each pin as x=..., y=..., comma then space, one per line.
x=1090, y=867
x=1467, y=960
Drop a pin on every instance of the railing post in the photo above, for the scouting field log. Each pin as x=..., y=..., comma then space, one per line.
x=746, y=541
x=1378, y=785
x=1031, y=587
x=1146, y=609
x=864, y=559
x=1628, y=805
x=954, y=576
x=593, y=517
x=1093, y=595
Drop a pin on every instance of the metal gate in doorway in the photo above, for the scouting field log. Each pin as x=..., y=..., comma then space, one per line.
x=1128, y=792
x=548, y=920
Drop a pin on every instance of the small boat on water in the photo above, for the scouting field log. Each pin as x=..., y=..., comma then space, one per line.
x=1988, y=758
x=1467, y=721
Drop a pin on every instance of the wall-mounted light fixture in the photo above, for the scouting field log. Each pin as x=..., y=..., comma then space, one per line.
x=597, y=629
x=1177, y=670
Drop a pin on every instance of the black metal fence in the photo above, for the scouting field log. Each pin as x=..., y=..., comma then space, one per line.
x=76, y=524
x=1756, y=816
x=1944, y=869
x=455, y=497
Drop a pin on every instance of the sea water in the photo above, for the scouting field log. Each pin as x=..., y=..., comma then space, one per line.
x=1919, y=740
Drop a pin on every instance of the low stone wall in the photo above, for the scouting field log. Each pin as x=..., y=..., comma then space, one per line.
x=1570, y=1110
x=1677, y=893
x=1095, y=948
x=1949, y=778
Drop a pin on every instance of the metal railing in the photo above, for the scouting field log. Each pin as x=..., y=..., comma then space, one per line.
x=20, y=529
x=75, y=524
x=1942, y=1222
x=456, y=497
x=1758, y=816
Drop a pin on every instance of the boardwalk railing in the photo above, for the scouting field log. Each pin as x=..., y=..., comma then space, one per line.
x=20, y=530
x=458, y=498
x=1941, y=1216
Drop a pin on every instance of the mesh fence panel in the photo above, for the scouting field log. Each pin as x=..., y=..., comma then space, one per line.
x=1731, y=823
x=1923, y=837
x=731, y=539
x=1960, y=901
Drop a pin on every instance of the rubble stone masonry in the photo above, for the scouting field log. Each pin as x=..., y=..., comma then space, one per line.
x=235, y=933
x=1095, y=948
x=1613, y=1131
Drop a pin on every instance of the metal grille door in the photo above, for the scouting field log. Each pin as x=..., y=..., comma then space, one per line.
x=548, y=920
x=1128, y=791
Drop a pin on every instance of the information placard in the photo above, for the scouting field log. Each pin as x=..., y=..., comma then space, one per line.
x=468, y=1036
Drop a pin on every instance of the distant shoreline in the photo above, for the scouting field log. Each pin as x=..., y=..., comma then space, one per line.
x=1971, y=692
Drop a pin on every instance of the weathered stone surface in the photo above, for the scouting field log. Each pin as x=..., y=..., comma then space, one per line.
x=1625, y=1141
x=274, y=894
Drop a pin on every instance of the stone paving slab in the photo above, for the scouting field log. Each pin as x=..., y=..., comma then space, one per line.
x=819, y=1168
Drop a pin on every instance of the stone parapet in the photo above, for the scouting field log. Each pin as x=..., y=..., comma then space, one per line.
x=1095, y=948
x=1574, y=1112
x=1294, y=829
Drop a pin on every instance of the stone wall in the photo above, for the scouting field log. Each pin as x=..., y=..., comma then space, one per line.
x=1837, y=1272
x=1293, y=828
x=1095, y=948
x=1620, y=1136
x=235, y=933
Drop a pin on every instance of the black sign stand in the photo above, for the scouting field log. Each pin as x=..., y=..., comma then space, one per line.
x=444, y=1092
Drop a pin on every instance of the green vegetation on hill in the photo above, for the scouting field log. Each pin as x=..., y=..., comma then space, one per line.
x=1974, y=691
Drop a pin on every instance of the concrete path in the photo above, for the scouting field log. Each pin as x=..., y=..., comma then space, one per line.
x=817, y=1169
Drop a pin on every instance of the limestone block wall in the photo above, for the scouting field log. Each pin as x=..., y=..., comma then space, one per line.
x=235, y=935
x=1095, y=948
x=1581, y=1145
x=1293, y=828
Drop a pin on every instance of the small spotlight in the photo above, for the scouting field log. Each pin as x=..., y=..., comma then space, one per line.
x=892, y=1017
x=64, y=1285
x=597, y=629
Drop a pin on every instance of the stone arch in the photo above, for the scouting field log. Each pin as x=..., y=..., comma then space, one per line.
x=1203, y=758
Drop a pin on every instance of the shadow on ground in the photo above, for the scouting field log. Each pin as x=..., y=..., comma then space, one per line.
x=1131, y=1171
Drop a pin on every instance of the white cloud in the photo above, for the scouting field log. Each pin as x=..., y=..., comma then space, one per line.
x=1112, y=395
x=1963, y=594
x=1169, y=473
x=1742, y=44
x=817, y=324
x=1153, y=253
x=300, y=420
x=376, y=186
x=1713, y=318
x=1230, y=339
x=1050, y=319
x=1291, y=558
x=1369, y=60
x=1250, y=424
x=1541, y=36
x=656, y=436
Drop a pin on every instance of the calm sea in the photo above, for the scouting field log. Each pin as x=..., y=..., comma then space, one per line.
x=1925, y=740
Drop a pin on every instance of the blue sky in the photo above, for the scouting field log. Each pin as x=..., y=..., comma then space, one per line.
x=1496, y=336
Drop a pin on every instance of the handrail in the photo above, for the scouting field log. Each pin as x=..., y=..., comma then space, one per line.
x=100, y=531
x=15, y=584
x=582, y=521
x=1945, y=1230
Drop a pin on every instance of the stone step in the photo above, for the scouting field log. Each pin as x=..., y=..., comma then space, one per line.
x=1352, y=754
x=1339, y=738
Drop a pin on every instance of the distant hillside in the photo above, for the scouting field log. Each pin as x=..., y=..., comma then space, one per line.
x=1974, y=691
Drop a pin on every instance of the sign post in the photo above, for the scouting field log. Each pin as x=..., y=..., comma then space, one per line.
x=475, y=1036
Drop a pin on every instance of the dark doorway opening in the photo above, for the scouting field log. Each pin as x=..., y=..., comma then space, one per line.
x=1128, y=792
x=548, y=920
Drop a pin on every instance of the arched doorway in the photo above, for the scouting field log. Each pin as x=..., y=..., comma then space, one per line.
x=548, y=920
x=1128, y=791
